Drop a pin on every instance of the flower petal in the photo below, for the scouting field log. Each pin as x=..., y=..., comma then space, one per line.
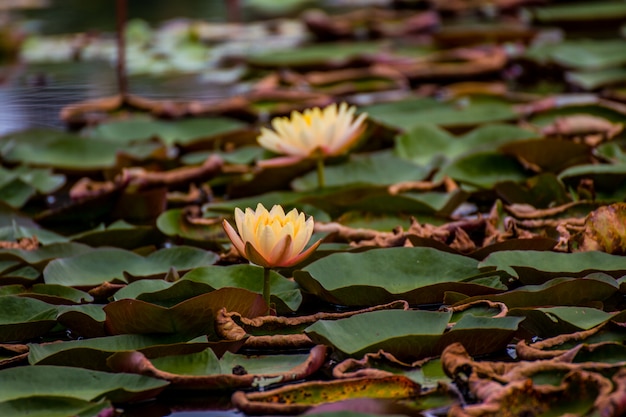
x=255, y=257
x=302, y=256
x=234, y=238
x=280, y=253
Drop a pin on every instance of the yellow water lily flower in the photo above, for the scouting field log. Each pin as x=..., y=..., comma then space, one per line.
x=316, y=132
x=271, y=238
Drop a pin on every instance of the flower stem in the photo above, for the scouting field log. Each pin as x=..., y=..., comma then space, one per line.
x=266, y=288
x=320, y=173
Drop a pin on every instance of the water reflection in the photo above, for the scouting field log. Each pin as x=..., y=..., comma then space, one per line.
x=32, y=96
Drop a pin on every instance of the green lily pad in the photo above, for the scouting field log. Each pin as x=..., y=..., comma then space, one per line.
x=591, y=80
x=481, y=335
x=45, y=237
x=536, y=267
x=551, y=321
x=609, y=352
x=174, y=222
x=57, y=294
x=85, y=320
x=55, y=149
x=425, y=141
x=24, y=318
x=408, y=335
x=418, y=275
x=181, y=132
x=382, y=168
x=207, y=363
x=118, y=234
x=41, y=256
x=557, y=291
x=53, y=407
x=17, y=186
x=483, y=169
x=600, y=10
x=285, y=293
x=93, y=353
x=78, y=383
x=465, y=112
x=112, y=264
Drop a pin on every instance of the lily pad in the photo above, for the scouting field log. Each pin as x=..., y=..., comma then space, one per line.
x=536, y=267
x=408, y=335
x=112, y=264
x=378, y=276
x=70, y=382
x=558, y=291
x=191, y=317
x=551, y=321
x=51, y=148
x=463, y=113
x=49, y=406
x=483, y=169
x=181, y=132
x=93, y=353
x=24, y=318
x=426, y=141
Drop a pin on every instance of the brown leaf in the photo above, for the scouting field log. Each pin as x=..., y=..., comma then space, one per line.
x=605, y=230
x=283, y=332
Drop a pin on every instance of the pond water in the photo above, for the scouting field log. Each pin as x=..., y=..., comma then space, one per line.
x=32, y=95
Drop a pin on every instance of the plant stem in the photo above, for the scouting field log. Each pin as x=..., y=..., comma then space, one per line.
x=266, y=288
x=320, y=173
x=122, y=80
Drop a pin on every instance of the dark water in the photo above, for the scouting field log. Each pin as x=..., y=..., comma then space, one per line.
x=33, y=95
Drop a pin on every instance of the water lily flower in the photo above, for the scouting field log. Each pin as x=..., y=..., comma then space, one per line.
x=316, y=133
x=271, y=238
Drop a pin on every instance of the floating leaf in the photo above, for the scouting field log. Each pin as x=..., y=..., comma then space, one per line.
x=111, y=264
x=51, y=148
x=557, y=291
x=425, y=141
x=408, y=335
x=203, y=370
x=78, y=383
x=284, y=292
x=192, y=317
x=534, y=267
x=465, y=112
x=383, y=275
x=181, y=132
x=24, y=318
x=295, y=399
x=50, y=406
x=551, y=321
x=483, y=169
x=118, y=234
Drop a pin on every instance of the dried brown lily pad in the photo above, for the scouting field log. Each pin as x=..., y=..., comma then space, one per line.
x=280, y=332
x=455, y=63
x=565, y=346
x=605, y=230
x=521, y=388
x=136, y=362
x=298, y=398
x=369, y=365
x=371, y=22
